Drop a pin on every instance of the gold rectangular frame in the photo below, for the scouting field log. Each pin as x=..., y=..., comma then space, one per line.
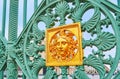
x=75, y=28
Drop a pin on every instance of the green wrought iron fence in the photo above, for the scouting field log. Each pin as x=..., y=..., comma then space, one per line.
x=26, y=51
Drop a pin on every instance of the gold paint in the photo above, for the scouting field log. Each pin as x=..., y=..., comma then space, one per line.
x=64, y=45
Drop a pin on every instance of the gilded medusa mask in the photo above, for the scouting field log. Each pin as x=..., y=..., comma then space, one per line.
x=64, y=46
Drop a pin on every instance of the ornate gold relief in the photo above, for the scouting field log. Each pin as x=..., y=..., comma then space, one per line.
x=64, y=45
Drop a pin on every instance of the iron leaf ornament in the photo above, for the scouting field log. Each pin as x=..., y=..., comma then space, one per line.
x=78, y=72
x=105, y=41
x=78, y=12
x=61, y=10
x=95, y=62
x=92, y=22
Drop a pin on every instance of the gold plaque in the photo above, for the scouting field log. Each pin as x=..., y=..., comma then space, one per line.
x=64, y=45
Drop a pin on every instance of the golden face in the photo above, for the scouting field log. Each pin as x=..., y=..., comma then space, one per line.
x=62, y=45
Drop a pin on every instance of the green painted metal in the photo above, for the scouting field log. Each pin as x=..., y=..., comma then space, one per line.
x=3, y=30
x=12, y=72
x=3, y=45
x=4, y=17
x=24, y=13
x=35, y=4
x=26, y=50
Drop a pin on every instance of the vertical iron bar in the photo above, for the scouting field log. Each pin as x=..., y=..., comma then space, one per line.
x=35, y=4
x=4, y=17
x=3, y=30
x=13, y=20
x=1, y=75
x=12, y=72
x=24, y=13
x=118, y=1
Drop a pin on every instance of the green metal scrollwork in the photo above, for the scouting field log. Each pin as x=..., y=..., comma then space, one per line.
x=79, y=73
x=3, y=56
x=53, y=13
x=26, y=50
x=50, y=73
